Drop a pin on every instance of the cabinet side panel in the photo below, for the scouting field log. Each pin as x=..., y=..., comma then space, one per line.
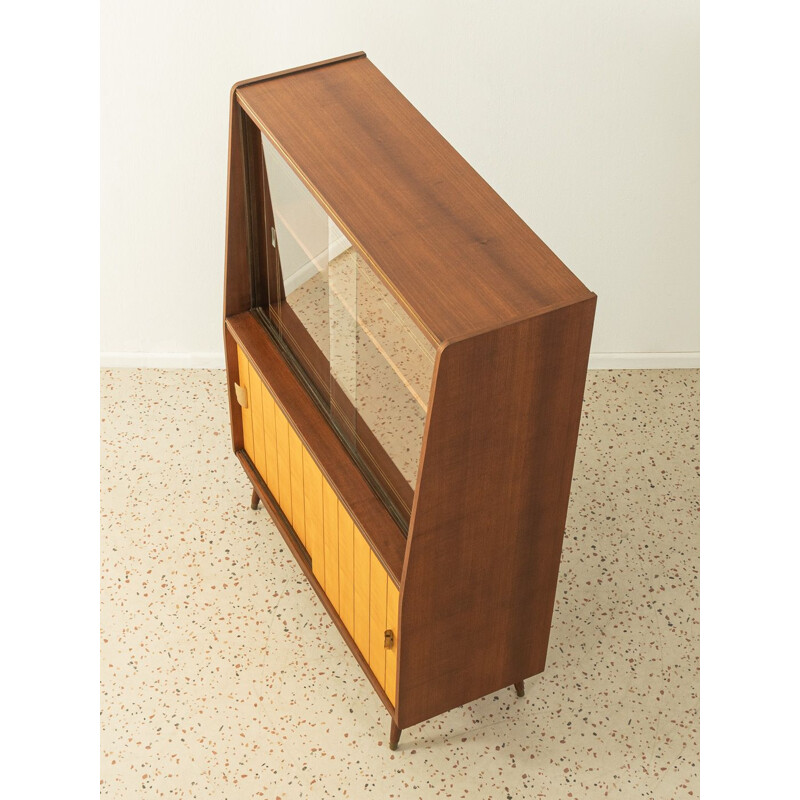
x=236, y=285
x=237, y=265
x=491, y=504
x=232, y=370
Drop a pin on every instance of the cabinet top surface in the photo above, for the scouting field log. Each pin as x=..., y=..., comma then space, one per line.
x=453, y=252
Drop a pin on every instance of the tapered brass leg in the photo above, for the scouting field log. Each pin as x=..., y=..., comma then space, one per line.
x=520, y=687
x=254, y=500
x=394, y=737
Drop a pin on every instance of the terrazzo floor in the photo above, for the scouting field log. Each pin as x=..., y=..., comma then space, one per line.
x=222, y=676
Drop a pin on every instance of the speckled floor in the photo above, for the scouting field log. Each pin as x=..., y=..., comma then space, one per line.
x=222, y=676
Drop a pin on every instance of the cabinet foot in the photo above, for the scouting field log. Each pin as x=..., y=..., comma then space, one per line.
x=254, y=500
x=394, y=736
x=520, y=687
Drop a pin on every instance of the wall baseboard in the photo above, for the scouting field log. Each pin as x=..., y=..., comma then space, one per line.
x=644, y=360
x=309, y=269
x=214, y=360
x=217, y=360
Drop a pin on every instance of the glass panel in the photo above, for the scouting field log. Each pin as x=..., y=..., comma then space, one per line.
x=342, y=311
x=301, y=239
x=370, y=364
x=395, y=369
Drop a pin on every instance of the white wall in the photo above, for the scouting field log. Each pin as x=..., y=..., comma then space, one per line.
x=582, y=114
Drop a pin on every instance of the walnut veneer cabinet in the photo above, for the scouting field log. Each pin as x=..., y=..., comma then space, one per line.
x=406, y=362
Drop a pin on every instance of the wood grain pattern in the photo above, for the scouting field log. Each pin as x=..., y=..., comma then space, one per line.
x=270, y=440
x=330, y=539
x=236, y=297
x=259, y=213
x=377, y=618
x=514, y=450
x=346, y=576
x=300, y=555
x=314, y=65
x=467, y=261
x=284, y=465
x=329, y=535
x=330, y=527
x=296, y=451
x=362, y=559
x=315, y=543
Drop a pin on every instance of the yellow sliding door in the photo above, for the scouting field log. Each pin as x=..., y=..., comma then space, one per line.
x=349, y=572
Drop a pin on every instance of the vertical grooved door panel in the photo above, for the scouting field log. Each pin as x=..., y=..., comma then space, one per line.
x=351, y=575
x=312, y=486
x=361, y=569
x=296, y=451
x=284, y=469
x=378, y=580
x=270, y=442
x=255, y=391
x=330, y=527
x=392, y=606
x=346, y=568
x=247, y=423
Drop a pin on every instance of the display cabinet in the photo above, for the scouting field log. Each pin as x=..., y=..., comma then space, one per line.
x=406, y=362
